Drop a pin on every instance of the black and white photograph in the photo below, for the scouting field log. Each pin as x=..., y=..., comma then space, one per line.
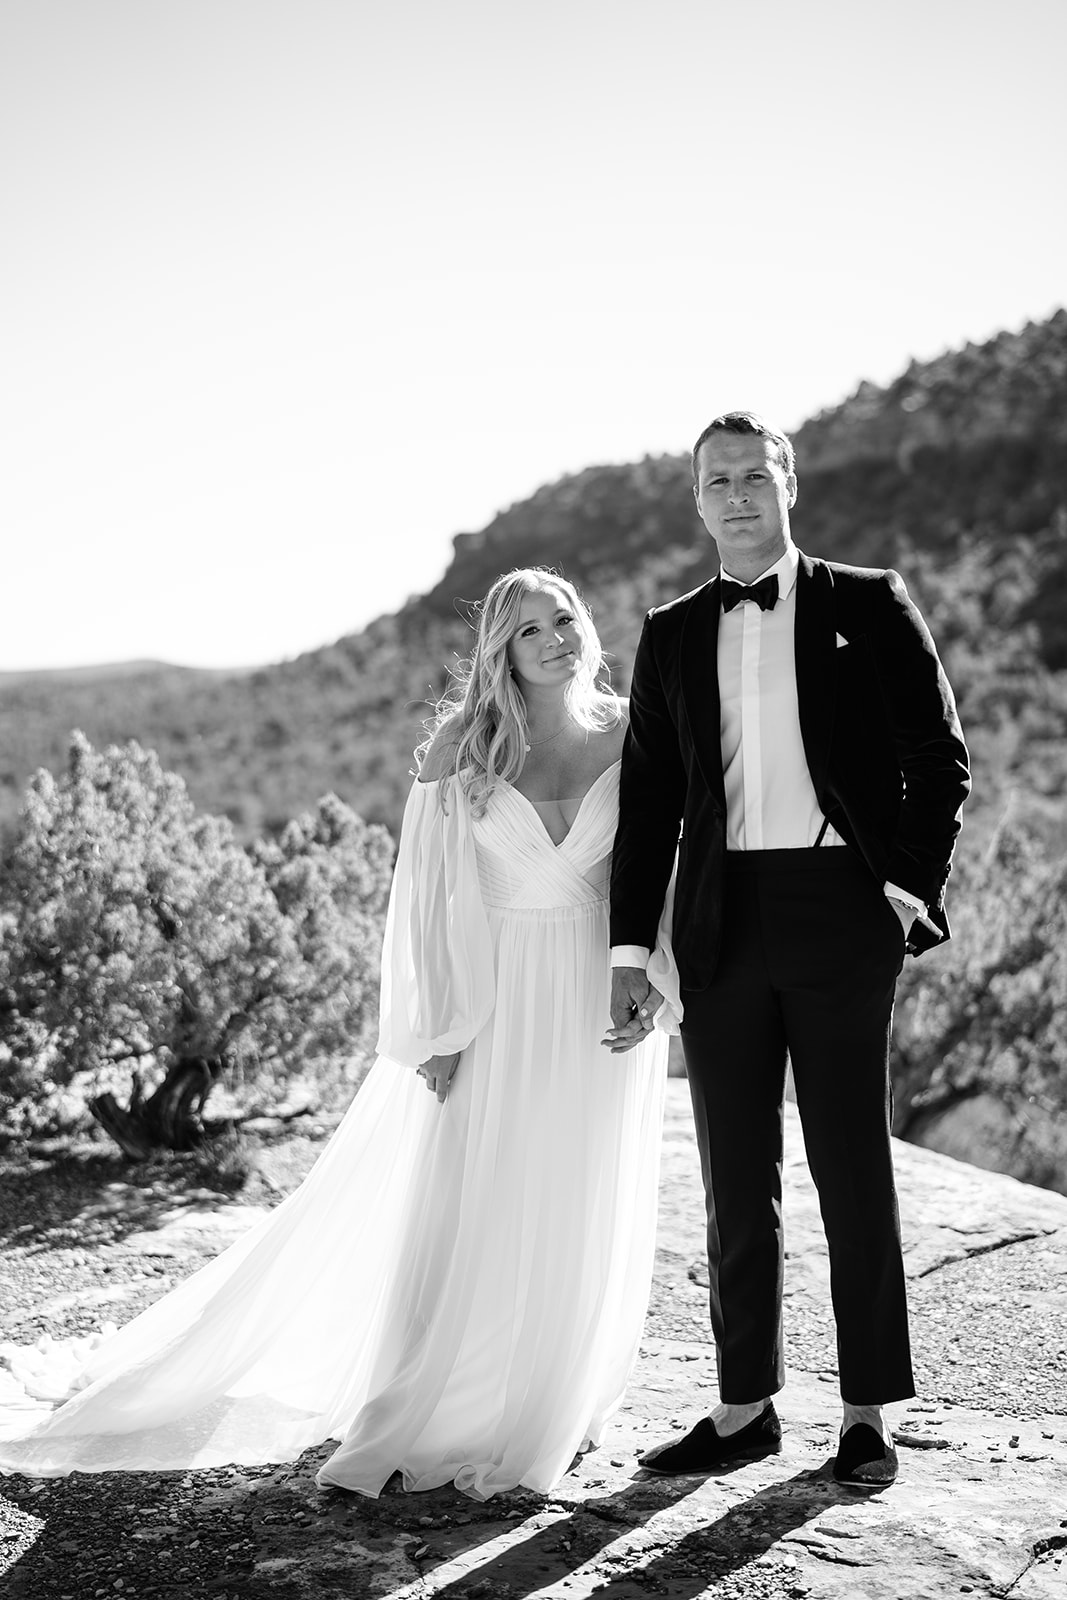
x=533, y=800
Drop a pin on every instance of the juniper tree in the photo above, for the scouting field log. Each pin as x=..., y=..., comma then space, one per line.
x=139, y=932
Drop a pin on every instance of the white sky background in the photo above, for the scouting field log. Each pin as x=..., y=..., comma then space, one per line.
x=291, y=291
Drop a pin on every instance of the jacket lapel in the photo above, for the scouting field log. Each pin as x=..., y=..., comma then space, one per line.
x=700, y=686
x=814, y=648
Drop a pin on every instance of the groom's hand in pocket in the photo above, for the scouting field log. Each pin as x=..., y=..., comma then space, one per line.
x=634, y=1004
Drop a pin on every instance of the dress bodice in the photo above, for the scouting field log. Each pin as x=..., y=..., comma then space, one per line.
x=519, y=866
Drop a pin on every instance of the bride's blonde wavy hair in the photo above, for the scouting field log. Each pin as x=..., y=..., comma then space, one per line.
x=483, y=713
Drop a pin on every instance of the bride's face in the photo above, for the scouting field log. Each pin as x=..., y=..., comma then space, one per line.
x=546, y=648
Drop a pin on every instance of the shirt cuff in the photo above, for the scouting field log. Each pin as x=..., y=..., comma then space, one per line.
x=892, y=892
x=906, y=899
x=630, y=955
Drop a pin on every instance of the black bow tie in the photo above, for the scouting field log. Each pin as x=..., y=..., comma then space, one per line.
x=765, y=592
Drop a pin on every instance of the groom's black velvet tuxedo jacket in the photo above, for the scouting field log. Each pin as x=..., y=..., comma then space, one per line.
x=881, y=737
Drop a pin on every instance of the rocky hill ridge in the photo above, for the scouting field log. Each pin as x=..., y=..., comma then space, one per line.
x=1012, y=387
x=889, y=473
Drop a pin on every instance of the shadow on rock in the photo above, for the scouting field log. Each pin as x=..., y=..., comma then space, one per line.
x=202, y=1533
x=94, y=1196
x=548, y=1555
x=682, y=1567
x=686, y=1567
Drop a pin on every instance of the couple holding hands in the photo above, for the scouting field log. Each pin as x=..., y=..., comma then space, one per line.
x=744, y=854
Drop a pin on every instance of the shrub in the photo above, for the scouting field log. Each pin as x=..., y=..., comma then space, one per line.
x=140, y=934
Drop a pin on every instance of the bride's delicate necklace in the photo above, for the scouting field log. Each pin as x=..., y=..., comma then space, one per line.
x=537, y=743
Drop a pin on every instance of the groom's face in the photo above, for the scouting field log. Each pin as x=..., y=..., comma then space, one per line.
x=744, y=496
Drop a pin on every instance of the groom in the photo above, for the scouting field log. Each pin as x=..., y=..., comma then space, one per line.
x=794, y=738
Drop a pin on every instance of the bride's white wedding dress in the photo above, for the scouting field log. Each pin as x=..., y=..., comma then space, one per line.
x=455, y=1291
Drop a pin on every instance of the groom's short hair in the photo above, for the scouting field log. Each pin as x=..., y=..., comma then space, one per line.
x=748, y=422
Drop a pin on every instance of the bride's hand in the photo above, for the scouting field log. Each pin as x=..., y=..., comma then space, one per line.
x=438, y=1073
x=634, y=1003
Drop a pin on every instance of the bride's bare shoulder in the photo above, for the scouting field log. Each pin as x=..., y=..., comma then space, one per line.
x=617, y=732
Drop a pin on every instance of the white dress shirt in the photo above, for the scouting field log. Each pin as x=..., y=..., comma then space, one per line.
x=770, y=799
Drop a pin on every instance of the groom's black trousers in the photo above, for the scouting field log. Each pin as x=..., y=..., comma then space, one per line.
x=811, y=950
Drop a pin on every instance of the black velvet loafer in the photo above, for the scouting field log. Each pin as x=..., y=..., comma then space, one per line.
x=863, y=1457
x=702, y=1449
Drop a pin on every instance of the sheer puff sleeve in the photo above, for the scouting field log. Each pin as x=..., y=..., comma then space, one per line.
x=438, y=986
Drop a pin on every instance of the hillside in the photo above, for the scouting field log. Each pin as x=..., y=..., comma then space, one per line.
x=1003, y=390
x=956, y=472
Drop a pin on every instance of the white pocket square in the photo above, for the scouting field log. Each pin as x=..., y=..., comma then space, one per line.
x=841, y=640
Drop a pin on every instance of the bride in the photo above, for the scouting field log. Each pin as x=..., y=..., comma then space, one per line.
x=457, y=1289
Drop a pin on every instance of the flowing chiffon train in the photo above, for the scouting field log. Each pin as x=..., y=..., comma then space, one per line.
x=455, y=1291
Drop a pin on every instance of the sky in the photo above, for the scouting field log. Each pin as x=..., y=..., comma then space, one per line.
x=292, y=291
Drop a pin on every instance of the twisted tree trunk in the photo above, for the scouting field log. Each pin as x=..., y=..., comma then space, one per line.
x=170, y=1119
